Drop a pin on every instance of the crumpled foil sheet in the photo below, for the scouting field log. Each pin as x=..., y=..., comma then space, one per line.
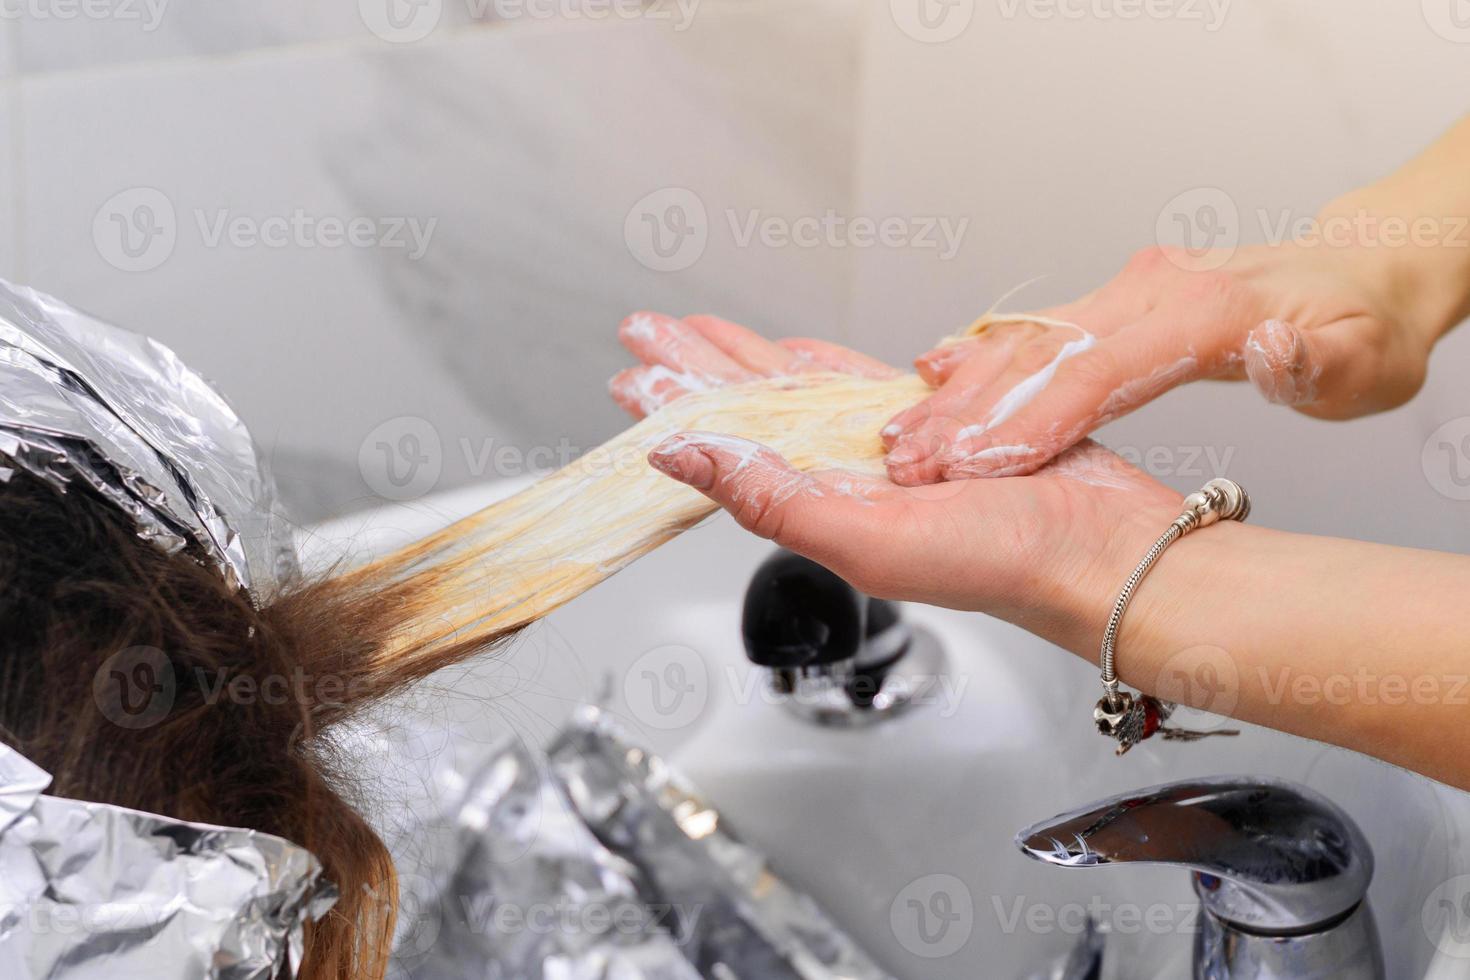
x=91, y=890
x=597, y=862
x=83, y=400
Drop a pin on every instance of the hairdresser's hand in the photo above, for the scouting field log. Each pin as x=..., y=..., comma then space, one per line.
x=1046, y=552
x=1313, y=328
x=701, y=352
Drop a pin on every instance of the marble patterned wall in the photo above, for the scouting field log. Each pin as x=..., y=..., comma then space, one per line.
x=374, y=240
x=537, y=147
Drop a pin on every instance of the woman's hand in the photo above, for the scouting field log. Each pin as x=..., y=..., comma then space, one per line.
x=1047, y=552
x=702, y=352
x=1318, y=328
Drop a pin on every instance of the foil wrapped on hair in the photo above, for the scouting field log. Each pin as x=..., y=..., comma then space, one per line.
x=598, y=862
x=91, y=890
x=81, y=400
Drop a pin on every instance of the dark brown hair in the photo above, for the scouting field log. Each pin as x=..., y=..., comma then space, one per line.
x=85, y=603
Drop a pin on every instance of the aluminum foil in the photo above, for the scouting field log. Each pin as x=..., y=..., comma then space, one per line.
x=91, y=890
x=83, y=400
x=513, y=885
x=598, y=863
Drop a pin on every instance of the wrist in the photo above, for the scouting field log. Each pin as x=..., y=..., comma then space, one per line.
x=1091, y=588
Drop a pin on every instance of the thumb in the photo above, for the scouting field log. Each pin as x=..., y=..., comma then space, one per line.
x=1341, y=371
x=769, y=497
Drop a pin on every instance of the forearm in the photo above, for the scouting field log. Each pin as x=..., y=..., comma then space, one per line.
x=1413, y=235
x=1362, y=645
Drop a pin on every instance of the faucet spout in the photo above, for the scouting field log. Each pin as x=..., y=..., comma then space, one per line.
x=1269, y=858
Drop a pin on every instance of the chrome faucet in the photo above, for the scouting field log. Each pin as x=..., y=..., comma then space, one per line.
x=1281, y=872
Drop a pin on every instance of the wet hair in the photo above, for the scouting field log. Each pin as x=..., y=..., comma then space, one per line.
x=85, y=605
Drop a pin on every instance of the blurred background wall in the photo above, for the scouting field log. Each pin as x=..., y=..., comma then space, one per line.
x=400, y=233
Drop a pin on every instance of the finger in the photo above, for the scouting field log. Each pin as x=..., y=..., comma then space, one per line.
x=1041, y=411
x=1126, y=298
x=657, y=339
x=746, y=347
x=643, y=390
x=1325, y=372
x=986, y=353
x=908, y=435
x=768, y=497
x=821, y=355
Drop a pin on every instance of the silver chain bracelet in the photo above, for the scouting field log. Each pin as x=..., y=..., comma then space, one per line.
x=1122, y=716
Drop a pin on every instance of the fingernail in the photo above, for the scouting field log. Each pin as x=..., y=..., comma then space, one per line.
x=686, y=463
x=904, y=454
x=891, y=431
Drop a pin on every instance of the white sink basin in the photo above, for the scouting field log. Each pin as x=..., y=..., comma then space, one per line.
x=903, y=832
